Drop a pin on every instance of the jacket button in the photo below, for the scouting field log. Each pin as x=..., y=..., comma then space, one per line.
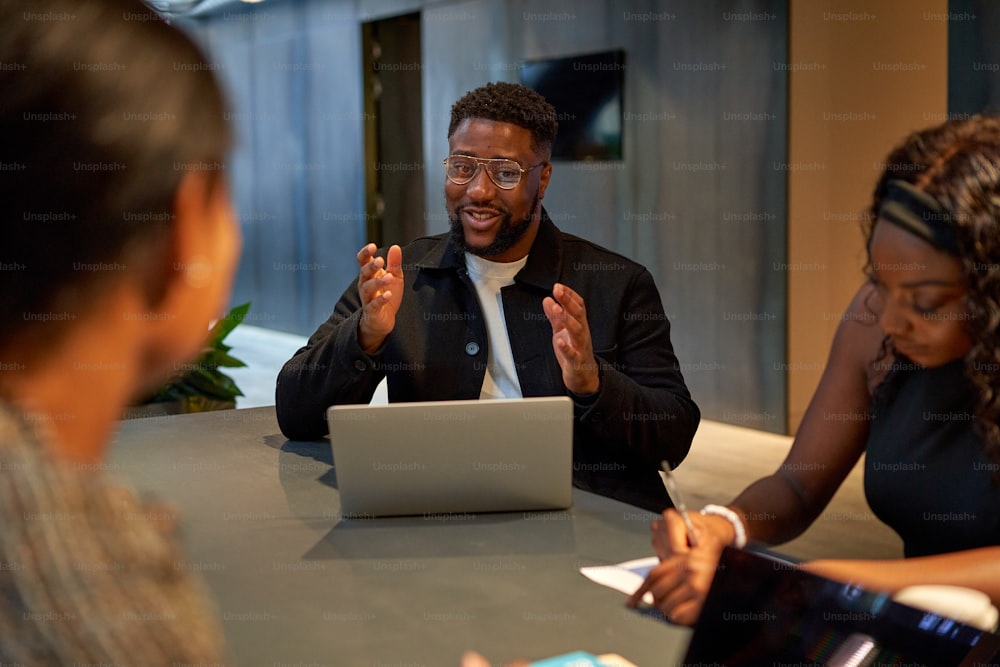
x=472, y=348
x=360, y=365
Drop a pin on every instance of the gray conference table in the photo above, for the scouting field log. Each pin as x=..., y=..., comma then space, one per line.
x=297, y=585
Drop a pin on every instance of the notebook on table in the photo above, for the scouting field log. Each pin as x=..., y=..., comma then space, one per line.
x=761, y=610
x=501, y=455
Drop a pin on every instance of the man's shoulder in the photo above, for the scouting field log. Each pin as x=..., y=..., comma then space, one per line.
x=427, y=250
x=583, y=255
x=427, y=241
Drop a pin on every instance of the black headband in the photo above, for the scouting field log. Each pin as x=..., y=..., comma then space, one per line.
x=919, y=213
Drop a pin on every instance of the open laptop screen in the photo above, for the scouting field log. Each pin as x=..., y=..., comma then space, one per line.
x=763, y=611
x=501, y=455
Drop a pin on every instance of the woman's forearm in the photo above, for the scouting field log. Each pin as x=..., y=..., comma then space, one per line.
x=975, y=568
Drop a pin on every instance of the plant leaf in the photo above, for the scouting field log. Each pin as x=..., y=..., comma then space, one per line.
x=201, y=377
x=227, y=323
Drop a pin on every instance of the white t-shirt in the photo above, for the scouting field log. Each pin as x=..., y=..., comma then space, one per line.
x=488, y=277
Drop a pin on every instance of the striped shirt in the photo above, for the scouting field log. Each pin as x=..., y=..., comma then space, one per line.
x=86, y=575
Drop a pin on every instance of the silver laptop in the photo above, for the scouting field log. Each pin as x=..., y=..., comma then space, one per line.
x=500, y=455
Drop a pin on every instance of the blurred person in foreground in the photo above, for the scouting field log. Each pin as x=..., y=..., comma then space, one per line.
x=912, y=382
x=119, y=247
x=507, y=306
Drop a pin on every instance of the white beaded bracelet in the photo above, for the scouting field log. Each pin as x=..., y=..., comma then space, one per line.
x=739, y=530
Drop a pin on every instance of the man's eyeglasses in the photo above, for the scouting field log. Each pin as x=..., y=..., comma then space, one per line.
x=504, y=173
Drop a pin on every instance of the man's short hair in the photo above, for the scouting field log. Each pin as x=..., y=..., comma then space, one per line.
x=509, y=103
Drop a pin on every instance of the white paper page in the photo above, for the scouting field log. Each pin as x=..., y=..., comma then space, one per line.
x=625, y=577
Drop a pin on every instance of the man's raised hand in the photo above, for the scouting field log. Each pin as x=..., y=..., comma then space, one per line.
x=380, y=284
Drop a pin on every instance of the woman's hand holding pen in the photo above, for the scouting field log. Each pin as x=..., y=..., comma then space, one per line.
x=681, y=581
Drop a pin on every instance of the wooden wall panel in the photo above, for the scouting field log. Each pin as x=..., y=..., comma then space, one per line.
x=866, y=74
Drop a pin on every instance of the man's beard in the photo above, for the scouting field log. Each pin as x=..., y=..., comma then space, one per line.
x=508, y=234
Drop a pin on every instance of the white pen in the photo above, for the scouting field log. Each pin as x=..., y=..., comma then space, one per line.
x=678, y=501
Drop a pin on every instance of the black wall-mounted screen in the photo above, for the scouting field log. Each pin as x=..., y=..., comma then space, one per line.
x=586, y=91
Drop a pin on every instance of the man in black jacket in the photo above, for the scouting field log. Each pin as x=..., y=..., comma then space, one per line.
x=506, y=305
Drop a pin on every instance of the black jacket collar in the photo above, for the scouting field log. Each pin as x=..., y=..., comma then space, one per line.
x=544, y=259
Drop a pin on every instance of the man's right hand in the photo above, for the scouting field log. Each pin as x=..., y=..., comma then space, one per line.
x=380, y=284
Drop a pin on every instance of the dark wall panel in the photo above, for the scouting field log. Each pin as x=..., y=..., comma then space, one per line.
x=973, y=57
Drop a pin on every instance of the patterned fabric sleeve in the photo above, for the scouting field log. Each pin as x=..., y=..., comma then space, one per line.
x=87, y=576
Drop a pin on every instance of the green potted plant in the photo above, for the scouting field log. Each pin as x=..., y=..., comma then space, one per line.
x=199, y=385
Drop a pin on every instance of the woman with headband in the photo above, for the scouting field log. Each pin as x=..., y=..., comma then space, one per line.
x=912, y=382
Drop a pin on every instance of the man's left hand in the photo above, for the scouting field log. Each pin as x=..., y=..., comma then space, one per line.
x=571, y=340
